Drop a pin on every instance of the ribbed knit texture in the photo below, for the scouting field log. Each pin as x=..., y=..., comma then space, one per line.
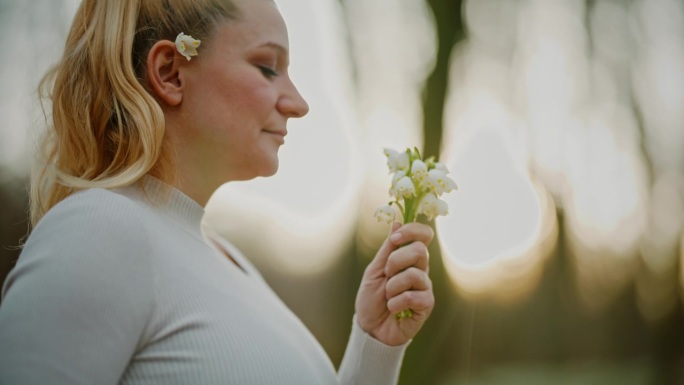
x=121, y=287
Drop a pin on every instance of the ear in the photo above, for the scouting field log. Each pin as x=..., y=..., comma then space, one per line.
x=163, y=72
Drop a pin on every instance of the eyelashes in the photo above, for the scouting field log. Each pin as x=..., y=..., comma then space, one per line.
x=268, y=72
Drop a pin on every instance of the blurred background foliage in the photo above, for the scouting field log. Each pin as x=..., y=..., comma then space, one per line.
x=562, y=123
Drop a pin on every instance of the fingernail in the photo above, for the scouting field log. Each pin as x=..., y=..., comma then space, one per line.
x=396, y=237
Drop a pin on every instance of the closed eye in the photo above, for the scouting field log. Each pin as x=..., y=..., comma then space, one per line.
x=268, y=72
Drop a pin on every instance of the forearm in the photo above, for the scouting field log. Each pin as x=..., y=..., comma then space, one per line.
x=369, y=361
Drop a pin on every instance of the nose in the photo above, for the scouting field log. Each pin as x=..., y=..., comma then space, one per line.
x=292, y=104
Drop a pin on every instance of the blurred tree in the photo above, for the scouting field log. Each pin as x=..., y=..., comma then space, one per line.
x=451, y=313
x=450, y=31
x=549, y=329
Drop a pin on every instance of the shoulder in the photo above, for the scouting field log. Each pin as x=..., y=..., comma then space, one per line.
x=96, y=229
x=93, y=214
x=92, y=206
x=85, y=273
x=92, y=239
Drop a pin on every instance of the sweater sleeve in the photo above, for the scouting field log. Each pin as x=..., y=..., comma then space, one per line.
x=74, y=308
x=369, y=361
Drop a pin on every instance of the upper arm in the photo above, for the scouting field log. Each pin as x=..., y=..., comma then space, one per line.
x=75, y=306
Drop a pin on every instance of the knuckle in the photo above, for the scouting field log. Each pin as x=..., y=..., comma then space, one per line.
x=430, y=233
x=428, y=283
x=420, y=249
x=427, y=300
x=391, y=260
x=415, y=274
x=391, y=285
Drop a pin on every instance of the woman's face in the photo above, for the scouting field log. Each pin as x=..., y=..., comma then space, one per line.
x=238, y=97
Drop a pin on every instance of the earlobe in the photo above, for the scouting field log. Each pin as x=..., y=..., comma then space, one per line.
x=163, y=72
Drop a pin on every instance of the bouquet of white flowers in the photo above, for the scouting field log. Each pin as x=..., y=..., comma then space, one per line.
x=416, y=187
x=418, y=183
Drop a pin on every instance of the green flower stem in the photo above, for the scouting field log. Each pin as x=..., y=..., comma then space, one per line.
x=401, y=208
x=408, y=211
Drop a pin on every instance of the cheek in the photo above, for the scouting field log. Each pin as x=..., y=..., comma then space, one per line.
x=253, y=94
x=236, y=105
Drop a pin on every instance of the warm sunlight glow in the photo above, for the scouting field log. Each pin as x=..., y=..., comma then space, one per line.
x=39, y=29
x=502, y=224
x=556, y=110
x=496, y=223
x=606, y=210
x=300, y=218
x=394, y=48
x=656, y=284
x=658, y=79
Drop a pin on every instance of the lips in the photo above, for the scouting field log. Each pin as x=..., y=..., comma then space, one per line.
x=277, y=132
x=280, y=134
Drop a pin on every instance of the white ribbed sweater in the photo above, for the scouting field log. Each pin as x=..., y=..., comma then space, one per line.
x=121, y=287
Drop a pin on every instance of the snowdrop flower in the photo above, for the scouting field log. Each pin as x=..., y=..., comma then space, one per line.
x=385, y=213
x=419, y=171
x=397, y=161
x=417, y=184
x=404, y=188
x=431, y=206
x=439, y=183
x=186, y=45
x=441, y=167
x=397, y=175
x=429, y=184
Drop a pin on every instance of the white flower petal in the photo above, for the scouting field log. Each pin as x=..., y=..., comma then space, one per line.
x=419, y=172
x=404, y=187
x=449, y=185
x=418, y=166
x=439, y=183
x=385, y=213
x=431, y=206
x=186, y=45
x=389, y=152
x=396, y=161
x=397, y=175
x=441, y=167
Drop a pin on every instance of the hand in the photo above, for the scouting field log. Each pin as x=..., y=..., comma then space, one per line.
x=395, y=280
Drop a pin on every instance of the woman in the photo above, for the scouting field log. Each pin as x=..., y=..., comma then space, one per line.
x=116, y=283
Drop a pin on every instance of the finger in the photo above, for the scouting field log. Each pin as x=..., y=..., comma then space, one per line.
x=420, y=301
x=412, y=232
x=385, y=250
x=416, y=254
x=410, y=279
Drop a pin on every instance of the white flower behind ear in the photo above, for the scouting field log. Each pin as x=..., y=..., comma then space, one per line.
x=186, y=45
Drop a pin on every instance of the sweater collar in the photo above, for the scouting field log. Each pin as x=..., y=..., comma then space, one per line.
x=174, y=202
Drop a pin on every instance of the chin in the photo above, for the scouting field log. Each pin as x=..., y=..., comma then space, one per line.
x=272, y=170
x=265, y=170
x=270, y=167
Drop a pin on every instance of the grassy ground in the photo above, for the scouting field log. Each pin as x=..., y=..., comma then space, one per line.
x=626, y=373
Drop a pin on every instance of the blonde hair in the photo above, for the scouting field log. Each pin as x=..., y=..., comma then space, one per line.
x=105, y=129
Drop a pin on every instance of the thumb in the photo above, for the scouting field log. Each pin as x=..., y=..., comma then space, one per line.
x=387, y=247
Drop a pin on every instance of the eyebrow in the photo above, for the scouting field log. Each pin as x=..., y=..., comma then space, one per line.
x=275, y=46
